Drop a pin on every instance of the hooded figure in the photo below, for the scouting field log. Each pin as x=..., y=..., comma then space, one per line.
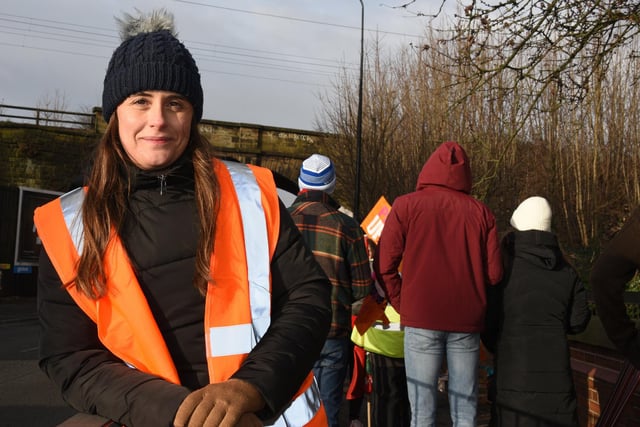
x=430, y=229
x=539, y=301
x=448, y=244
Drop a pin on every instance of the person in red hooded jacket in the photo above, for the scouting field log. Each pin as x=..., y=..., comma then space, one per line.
x=449, y=248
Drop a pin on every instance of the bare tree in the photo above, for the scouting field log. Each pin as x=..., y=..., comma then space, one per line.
x=407, y=113
x=524, y=136
x=562, y=41
x=50, y=107
x=381, y=120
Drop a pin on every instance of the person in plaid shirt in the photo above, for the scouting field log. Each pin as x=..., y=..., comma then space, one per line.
x=337, y=241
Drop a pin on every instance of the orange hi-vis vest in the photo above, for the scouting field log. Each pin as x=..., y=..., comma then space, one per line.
x=238, y=301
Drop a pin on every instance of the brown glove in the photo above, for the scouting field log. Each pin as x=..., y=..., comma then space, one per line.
x=232, y=403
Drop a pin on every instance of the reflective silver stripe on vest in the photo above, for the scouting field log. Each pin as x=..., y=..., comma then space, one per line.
x=301, y=410
x=240, y=339
x=71, y=203
x=392, y=327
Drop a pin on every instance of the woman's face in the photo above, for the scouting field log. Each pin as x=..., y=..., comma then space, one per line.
x=154, y=127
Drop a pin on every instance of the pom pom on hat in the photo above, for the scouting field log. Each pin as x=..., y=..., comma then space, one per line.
x=532, y=214
x=150, y=58
x=317, y=173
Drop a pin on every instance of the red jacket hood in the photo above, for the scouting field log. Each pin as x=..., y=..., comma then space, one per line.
x=448, y=166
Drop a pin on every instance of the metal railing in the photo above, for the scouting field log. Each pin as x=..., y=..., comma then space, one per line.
x=47, y=117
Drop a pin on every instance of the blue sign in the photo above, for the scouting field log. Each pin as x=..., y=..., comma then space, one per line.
x=22, y=269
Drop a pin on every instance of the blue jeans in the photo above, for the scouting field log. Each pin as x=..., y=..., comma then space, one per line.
x=424, y=350
x=330, y=371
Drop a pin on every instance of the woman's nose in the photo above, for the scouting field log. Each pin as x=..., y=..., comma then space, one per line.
x=156, y=115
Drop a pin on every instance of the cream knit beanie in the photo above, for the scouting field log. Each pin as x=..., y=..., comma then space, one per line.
x=532, y=214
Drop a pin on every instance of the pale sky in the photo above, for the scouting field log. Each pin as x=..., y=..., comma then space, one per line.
x=262, y=62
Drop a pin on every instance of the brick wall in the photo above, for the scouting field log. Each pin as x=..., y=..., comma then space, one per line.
x=51, y=158
x=42, y=157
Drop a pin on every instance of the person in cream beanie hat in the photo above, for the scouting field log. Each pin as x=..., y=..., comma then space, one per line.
x=528, y=316
x=532, y=214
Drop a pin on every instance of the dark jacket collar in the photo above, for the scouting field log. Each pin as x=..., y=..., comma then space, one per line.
x=180, y=174
x=316, y=196
x=537, y=247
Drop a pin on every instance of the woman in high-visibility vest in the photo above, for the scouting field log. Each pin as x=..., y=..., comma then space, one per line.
x=175, y=289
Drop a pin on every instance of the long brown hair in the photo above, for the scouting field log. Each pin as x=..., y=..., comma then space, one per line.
x=105, y=205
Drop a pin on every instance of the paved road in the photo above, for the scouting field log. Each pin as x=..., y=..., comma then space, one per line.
x=27, y=397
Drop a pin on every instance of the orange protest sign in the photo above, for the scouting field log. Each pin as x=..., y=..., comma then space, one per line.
x=374, y=221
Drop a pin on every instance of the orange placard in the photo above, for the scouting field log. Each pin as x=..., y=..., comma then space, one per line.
x=374, y=221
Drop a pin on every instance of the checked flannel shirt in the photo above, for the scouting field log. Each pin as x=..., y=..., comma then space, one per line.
x=337, y=241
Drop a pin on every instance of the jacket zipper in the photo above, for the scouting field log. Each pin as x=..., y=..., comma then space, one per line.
x=163, y=183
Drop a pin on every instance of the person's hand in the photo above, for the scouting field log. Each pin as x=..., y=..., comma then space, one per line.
x=228, y=404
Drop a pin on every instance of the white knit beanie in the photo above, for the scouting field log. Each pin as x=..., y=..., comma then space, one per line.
x=532, y=214
x=317, y=173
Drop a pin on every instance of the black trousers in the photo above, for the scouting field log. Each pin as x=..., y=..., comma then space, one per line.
x=389, y=401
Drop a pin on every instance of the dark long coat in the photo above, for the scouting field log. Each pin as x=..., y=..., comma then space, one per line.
x=540, y=300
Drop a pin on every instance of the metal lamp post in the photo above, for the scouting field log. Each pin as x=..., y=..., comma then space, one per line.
x=356, y=202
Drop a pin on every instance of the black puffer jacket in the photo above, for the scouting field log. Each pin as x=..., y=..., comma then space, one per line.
x=540, y=300
x=160, y=236
x=615, y=267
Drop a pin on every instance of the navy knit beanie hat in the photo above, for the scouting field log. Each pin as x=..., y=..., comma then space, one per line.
x=150, y=58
